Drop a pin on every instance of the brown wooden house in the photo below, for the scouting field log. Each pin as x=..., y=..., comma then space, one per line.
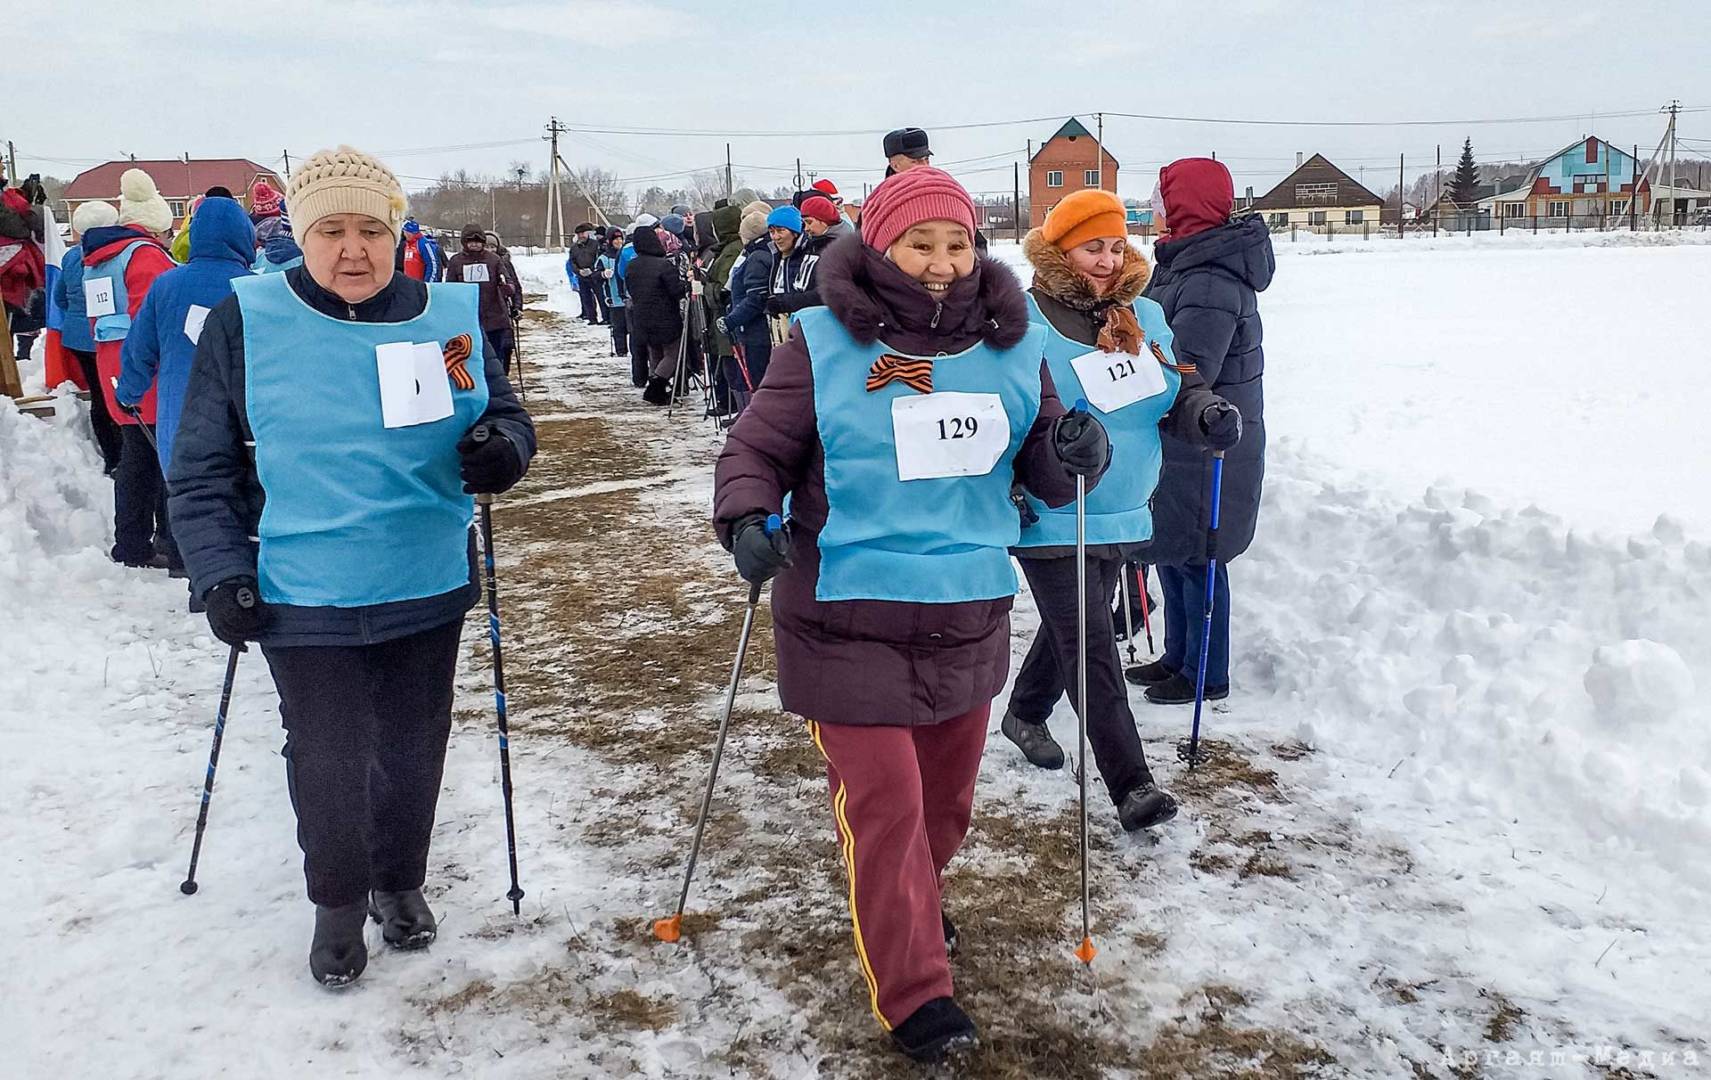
x=1317, y=196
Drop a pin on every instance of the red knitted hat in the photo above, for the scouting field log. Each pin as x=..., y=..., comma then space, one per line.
x=826, y=187
x=820, y=208
x=906, y=199
x=264, y=200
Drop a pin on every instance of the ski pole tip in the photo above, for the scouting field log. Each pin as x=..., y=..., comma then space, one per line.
x=1085, y=952
x=669, y=929
x=187, y=887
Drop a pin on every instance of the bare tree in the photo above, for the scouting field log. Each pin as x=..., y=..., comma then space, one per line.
x=708, y=187
x=601, y=187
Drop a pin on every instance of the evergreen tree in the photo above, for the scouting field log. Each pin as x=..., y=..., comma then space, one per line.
x=1464, y=189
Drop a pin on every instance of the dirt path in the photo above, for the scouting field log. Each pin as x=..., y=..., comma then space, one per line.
x=622, y=614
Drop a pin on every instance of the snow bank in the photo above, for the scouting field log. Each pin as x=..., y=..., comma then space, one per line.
x=1488, y=661
x=55, y=506
x=544, y=273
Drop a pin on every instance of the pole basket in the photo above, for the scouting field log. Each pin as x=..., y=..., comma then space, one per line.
x=1192, y=754
x=669, y=929
x=1085, y=952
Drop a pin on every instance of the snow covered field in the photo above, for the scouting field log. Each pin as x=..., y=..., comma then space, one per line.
x=1460, y=829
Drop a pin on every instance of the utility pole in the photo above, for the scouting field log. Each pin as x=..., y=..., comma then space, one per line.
x=1401, y=189
x=1099, y=142
x=288, y=164
x=1437, y=189
x=1016, y=207
x=1656, y=163
x=11, y=161
x=1674, y=200
x=555, y=224
x=798, y=174
x=728, y=170
x=1634, y=195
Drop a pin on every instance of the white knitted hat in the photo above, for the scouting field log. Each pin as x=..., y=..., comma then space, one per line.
x=140, y=202
x=344, y=181
x=93, y=215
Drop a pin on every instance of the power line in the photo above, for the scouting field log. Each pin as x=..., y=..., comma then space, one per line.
x=1395, y=123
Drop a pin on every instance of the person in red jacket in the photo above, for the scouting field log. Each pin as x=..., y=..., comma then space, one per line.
x=120, y=263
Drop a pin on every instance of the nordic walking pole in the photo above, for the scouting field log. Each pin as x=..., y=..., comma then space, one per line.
x=669, y=929
x=678, y=373
x=515, y=895
x=1192, y=756
x=1128, y=614
x=188, y=885
x=1146, y=605
x=1085, y=952
x=517, y=353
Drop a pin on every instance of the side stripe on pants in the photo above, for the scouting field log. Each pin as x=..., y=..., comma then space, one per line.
x=846, y=843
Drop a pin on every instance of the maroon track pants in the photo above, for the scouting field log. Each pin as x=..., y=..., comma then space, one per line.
x=902, y=798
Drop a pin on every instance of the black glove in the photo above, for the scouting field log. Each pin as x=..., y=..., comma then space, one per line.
x=490, y=462
x=760, y=555
x=1221, y=423
x=778, y=305
x=1081, y=443
x=235, y=611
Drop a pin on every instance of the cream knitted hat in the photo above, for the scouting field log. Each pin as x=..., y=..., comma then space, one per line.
x=93, y=215
x=344, y=181
x=140, y=202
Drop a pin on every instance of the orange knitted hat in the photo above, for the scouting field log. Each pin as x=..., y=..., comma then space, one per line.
x=1083, y=216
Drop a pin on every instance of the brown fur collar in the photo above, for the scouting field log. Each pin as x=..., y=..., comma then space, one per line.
x=1053, y=274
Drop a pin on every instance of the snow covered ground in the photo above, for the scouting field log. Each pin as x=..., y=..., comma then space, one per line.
x=1458, y=829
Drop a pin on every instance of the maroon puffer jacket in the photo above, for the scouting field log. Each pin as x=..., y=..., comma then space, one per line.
x=876, y=661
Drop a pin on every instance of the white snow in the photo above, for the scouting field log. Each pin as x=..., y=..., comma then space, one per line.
x=1481, y=594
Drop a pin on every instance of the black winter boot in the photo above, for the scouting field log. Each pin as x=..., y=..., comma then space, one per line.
x=1146, y=806
x=1035, y=741
x=404, y=917
x=338, y=954
x=1149, y=674
x=1179, y=690
x=657, y=392
x=935, y=1030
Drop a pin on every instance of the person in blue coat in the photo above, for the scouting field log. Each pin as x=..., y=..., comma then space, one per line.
x=75, y=336
x=277, y=249
x=163, y=337
x=751, y=286
x=339, y=421
x=1111, y=347
x=1211, y=270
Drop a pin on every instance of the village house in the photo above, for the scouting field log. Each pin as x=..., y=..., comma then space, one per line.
x=1318, y=196
x=1070, y=161
x=179, y=181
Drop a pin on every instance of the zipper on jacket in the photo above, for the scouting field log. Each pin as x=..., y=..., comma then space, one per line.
x=938, y=309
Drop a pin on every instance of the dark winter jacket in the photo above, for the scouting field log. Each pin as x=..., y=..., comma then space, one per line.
x=656, y=286
x=796, y=285
x=26, y=224
x=873, y=662
x=1208, y=285
x=496, y=291
x=1069, y=303
x=217, y=497
x=583, y=253
x=750, y=287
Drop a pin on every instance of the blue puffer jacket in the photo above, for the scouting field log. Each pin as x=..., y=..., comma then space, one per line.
x=217, y=497
x=68, y=297
x=161, y=344
x=1207, y=284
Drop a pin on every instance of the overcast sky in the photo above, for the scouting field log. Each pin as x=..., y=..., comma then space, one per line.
x=430, y=76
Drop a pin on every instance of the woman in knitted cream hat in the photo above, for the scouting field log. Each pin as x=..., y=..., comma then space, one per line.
x=362, y=408
x=1107, y=344
x=897, y=418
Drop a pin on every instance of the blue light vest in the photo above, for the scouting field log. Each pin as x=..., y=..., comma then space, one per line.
x=1117, y=510
x=932, y=541
x=356, y=513
x=116, y=326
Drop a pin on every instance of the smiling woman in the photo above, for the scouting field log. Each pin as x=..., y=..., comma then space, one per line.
x=331, y=441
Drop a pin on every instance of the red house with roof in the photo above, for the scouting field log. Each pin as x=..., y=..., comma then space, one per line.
x=179, y=181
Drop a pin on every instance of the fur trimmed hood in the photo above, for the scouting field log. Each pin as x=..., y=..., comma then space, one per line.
x=874, y=299
x=1054, y=276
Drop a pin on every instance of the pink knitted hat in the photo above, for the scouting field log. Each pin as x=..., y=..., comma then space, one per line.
x=905, y=200
x=265, y=201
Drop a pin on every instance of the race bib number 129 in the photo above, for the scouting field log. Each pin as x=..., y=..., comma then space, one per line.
x=948, y=434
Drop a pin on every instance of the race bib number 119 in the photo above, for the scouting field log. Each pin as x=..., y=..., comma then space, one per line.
x=948, y=434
